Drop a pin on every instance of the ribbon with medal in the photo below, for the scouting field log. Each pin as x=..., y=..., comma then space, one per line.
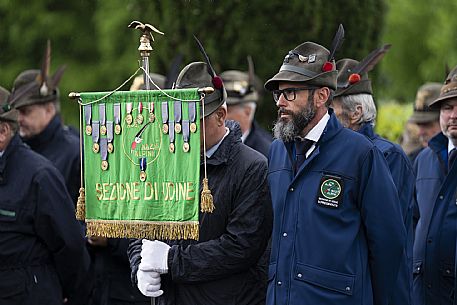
x=165, y=117
x=88, y=118
x=102, y=118
x=95, y=136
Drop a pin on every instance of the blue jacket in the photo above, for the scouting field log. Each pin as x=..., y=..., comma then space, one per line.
x=42, y=250
x=434, y=245
x=337, y=231
x=404, y=179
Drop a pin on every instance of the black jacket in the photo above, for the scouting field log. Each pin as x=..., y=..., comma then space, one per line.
x=42, y=250
x=61, y=146
x=221, y=267
x=259, y=139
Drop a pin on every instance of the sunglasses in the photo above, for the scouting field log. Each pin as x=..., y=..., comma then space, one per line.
x=288, y=93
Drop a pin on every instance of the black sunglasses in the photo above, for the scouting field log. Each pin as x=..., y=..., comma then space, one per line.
x=289, y=93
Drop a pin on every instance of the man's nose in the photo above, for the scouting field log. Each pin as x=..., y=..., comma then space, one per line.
x=281, y=102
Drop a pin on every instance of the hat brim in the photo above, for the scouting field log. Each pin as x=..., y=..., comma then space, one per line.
x=436, y=104
x=10, y=116
x=361, y=87
x=320, y=80
x=424, y=116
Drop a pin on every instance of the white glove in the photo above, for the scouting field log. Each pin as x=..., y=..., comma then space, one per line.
x=154, y=256
x=149, y=283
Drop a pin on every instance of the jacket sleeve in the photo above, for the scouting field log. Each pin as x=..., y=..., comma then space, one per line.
x=244, y=241
x=57, y=227
x=384, y=227
x=134, y=254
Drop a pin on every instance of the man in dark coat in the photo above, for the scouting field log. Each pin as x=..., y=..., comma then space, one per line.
x=426, y=119
x=242, y=99
x=221, y=267
x=355, y=109
x=436, y=183
x=42, y=246
x=337, y=231
x=36, y=97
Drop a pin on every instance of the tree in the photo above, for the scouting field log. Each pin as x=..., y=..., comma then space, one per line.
x=92, y=37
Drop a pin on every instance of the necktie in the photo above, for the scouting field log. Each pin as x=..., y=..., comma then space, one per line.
x=452, y=156
x=301, y=148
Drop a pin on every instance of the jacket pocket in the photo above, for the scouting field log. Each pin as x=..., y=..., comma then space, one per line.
x=332, y=280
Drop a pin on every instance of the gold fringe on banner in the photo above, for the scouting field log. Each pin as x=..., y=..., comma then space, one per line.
x=143, y=229
x=207, y=205
x=81, y=205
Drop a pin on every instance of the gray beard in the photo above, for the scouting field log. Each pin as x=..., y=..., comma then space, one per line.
x=288, y=130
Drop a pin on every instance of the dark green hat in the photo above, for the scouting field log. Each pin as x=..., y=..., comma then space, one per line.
x=242, y=87
x=37, y=86
x=6, y=111
x=196, y=75
x=239, y=87
x=426, y=94
x=345, y=68
x=449, y=89
x=353, y=75
x=308, y=63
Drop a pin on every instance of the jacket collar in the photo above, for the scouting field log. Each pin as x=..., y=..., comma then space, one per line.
x=12, y=146
x=368, y=130
x=438, y=143
x=223, y=153
x=42, y=139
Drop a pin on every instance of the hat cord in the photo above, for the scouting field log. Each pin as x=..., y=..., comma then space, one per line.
x=207, y=204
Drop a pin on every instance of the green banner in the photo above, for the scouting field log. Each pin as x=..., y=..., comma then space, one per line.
x=142, y=163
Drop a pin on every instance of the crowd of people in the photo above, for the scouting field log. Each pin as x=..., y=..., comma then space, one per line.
x=322, y=210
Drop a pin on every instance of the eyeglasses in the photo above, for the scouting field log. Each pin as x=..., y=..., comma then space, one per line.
x=289, y=93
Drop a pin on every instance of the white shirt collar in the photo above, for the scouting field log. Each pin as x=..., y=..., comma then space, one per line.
x=450, y=146
x=210, y=152
x=1, y=153
x=315, y=133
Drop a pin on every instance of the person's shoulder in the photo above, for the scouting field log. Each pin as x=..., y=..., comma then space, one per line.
x=354, y=139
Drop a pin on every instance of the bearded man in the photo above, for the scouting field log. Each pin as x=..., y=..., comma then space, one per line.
x=337, y=230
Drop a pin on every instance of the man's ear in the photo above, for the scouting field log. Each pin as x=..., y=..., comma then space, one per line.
x=221, y=114
x=356, y=115
x=322, y=95
x=5, y=132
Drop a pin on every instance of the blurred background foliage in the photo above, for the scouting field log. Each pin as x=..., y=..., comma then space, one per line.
x=91, y=37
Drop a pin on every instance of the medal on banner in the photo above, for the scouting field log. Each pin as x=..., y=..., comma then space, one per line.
x=88, y=118
x=128, y=117
x=110, y=136
x=95, y=136
x=152, y=117
x=143, y=165
x=104, y=153
x=102, y=112
x=165, y=117
x=171, y=135
x=117, y=118
x=177, y=114
x=140, y=118
x=192, y=117
x=185, y=135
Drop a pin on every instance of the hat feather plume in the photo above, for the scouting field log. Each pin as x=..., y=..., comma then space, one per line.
x=337, y=42
x=208, y=62
x=45, y=67
x=370, y=61
x=251, y=71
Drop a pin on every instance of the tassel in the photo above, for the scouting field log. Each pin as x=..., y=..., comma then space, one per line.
x=207, y=205
x=81, y=205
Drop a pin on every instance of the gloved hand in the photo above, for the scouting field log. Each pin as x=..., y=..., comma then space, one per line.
x=154, y=256
x=149, y=283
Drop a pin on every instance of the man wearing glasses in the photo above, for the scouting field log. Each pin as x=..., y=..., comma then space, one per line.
x=337, y=233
